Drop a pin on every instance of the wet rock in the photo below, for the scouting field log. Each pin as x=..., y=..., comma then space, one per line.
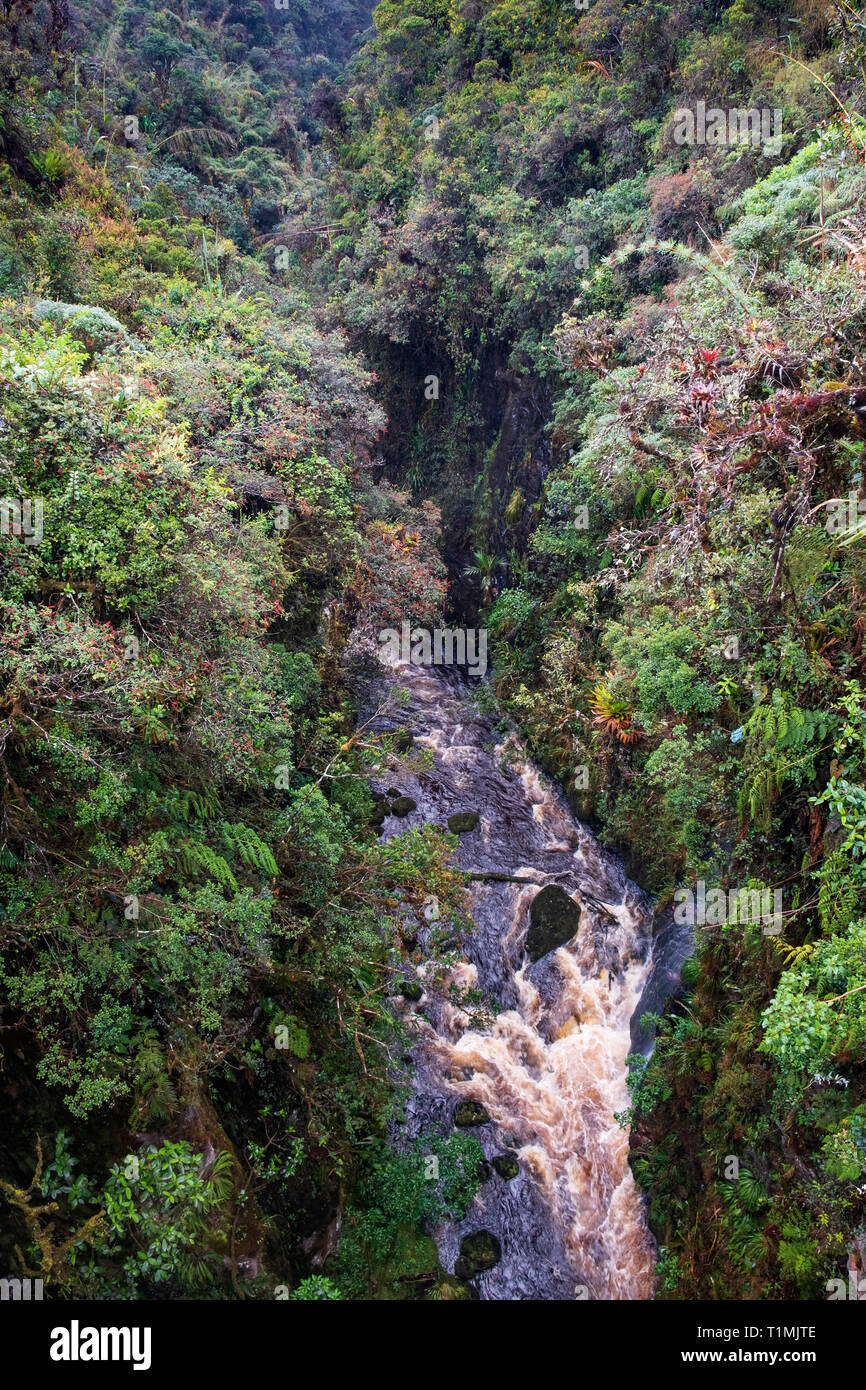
x=402, y=806
x=394, y=791
x=554, y=918
x=603, y=930
x=462, y=822
x=506, y=1166
x=672, y=946
x=478, y=1252
x=380, y=809
x=410, y=990
x=484, y=1171
x=470, y=1112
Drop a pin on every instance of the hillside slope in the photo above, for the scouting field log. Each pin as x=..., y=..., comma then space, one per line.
x=306, y=312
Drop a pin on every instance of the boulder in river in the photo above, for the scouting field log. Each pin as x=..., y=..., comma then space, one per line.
x=478, y=1252
x=402, y=806
x=462, y=822
x=470, y=1112
x=554, y=918
x=506, y=1166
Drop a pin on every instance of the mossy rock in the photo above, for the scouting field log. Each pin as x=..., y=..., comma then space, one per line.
x=402, y=741
x=478, y=1252
x=470, y=1112
x=483, y=1170
x=506, y=1166
x=410, y=989
x=449, y=1291
x=411, y=1268
x=402, y=806
x=462, y=822
x=554, y=918
x=394, y=791
x=379, y=811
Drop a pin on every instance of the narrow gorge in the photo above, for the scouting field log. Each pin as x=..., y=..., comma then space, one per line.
x=525, y=1021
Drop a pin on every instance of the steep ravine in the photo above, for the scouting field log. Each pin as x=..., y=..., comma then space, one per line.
x=548, y=1063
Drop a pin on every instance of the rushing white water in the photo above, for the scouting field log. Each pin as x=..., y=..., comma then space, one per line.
x=550, y=1067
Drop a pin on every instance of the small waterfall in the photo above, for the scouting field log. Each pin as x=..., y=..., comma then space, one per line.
x=550, y=1066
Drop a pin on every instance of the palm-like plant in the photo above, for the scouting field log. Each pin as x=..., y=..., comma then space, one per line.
x=613, y=715
x=483, y=570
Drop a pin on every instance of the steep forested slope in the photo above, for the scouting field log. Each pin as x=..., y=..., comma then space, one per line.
x=196, y=916
x=650, y=369
x=253, y=287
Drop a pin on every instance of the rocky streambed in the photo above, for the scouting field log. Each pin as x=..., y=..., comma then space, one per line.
x=562, y=952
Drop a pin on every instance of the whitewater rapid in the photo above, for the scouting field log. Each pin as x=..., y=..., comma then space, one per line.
x=550, y=1066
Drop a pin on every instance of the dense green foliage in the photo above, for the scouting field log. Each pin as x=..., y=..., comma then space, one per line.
x=197, y=920
x=629, y=377
x=651, y=393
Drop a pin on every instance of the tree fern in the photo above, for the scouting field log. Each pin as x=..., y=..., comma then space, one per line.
x=251, y=850
x=155, y=1097
x=783, y=743
x=838, y=894
x=187, y=806
x=198, y=858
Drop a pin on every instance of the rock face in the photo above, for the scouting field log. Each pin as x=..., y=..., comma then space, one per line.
x=672, y=945
x=478, y=1252
x=554, y=918
x=462, y=822
x=470, y=1112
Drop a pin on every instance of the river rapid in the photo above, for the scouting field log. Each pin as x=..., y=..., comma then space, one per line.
x=550, y=1066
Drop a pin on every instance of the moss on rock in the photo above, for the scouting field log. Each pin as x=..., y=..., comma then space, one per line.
x=478, y=1252
x=470, y=1112
x=554, y=918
